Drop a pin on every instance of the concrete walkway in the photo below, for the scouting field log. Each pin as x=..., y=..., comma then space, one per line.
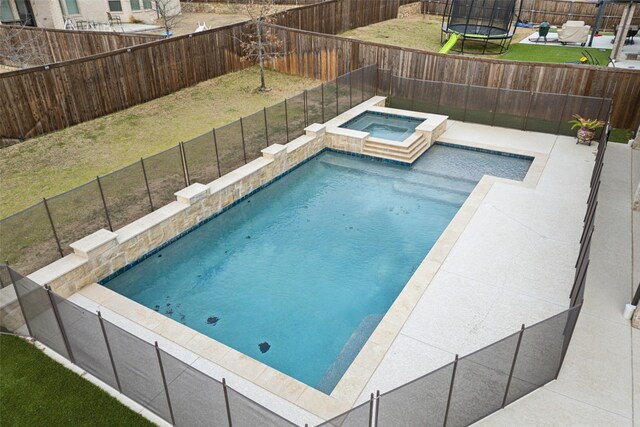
x=599, y=384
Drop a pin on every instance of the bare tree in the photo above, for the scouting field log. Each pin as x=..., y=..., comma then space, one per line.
x=261, y=44
x=22, y=47
x=168, y=13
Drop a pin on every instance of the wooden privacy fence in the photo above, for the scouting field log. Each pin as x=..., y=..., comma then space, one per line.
x=44, y=99
x=292, y=2
x=336, y=16
x=64, y=45
x=556, y=12
x=324, y=57
x=40, y=100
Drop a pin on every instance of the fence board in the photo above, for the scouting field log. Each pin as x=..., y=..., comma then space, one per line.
x=37, y=100
x=43, y=99
x=63, y=45
x=623, y=86
x=556, y=12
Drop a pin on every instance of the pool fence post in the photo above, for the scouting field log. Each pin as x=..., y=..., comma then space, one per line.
x=164, y=383
x=106, y=341
x=306, y=113
x=412, y=95
x=371, y=411
x=337, y=96
x=244, y=150
x=526, y=117
x=15, y=288
x=104, y=203
x=185, y=167
x=564, y=104
x=56, y=313
x=495, y=107
x=286, y=118
x=570, y=326
x=513, y=367
x=322, y=96
x=146, y=183
x=375, y=90
x=377, y=407
x=215, y=145
x=440, y=96
x=226, y=401
x=350, y=90
x=266, y=126
x=53, y=227
x=466, y=102
x=453, y=378
x=362, y=74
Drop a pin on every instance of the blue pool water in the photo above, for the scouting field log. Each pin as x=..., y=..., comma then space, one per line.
x=386, y=126
x=298, y=275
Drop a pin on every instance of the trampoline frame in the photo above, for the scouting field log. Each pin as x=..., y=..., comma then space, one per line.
x=502, y=40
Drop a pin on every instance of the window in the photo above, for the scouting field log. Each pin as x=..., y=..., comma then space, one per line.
x=6, y=15
x=146, y=4
x=72, y=7
x=115, y=6
x=135, y=4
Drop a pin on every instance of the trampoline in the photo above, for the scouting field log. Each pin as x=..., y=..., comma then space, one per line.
x=486, y=23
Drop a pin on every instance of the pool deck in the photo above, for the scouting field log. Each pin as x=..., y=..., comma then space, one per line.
x=508, y=261
x=599, y=384
x=512, y=264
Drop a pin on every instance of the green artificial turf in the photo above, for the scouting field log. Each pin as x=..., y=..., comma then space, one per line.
x=35, y=391
x=559, y=54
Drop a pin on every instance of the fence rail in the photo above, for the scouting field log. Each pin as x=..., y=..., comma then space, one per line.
x=556, y=12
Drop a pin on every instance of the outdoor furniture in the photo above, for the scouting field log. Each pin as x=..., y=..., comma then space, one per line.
x=631, y=33
x=543, y=32
x=113, y=19
x=573, y=32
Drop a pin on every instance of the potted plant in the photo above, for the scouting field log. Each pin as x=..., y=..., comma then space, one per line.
x=588, y=127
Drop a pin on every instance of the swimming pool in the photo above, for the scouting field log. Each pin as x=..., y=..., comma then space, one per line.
x=298, y=275
x=383, y=125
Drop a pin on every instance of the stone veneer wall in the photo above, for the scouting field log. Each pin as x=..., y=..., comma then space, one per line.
x=101, y=254
x=347, y=140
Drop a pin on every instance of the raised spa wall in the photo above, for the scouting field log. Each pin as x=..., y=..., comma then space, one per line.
x=104, y=253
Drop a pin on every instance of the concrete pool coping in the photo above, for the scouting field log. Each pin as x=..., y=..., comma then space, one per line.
x=353, y=382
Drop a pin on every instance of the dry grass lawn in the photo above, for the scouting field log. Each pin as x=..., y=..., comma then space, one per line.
x=219, y=16
x=417, y=32
x=57, y=162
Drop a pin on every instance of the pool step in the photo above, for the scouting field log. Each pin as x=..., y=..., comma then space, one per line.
x=394, y=152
